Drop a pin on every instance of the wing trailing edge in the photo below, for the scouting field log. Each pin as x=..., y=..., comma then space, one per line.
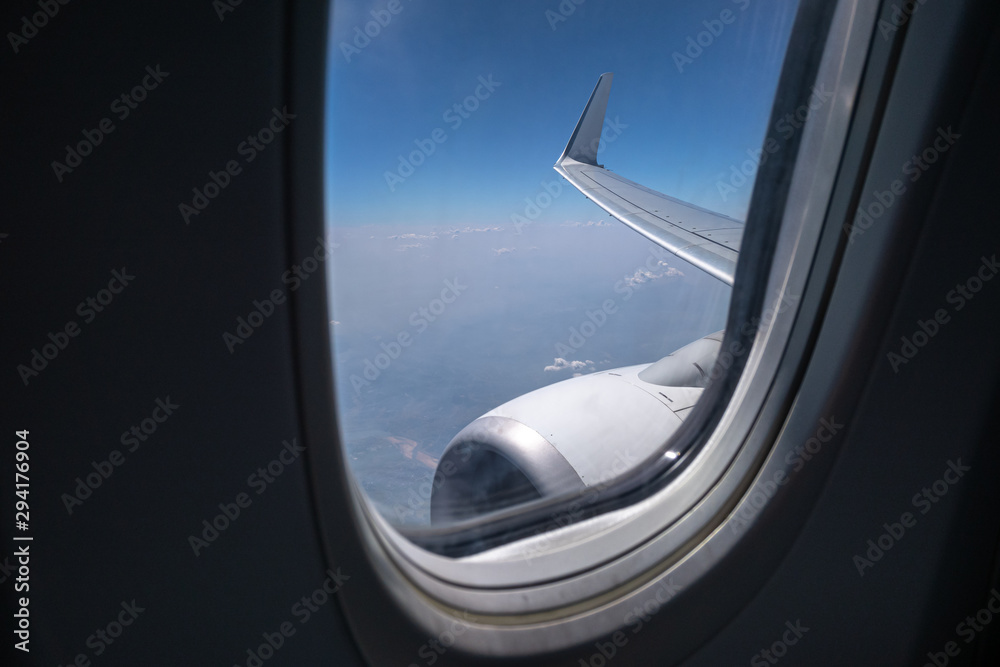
x=708, y=240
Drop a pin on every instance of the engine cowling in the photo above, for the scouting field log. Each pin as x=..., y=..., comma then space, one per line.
x=570, y=435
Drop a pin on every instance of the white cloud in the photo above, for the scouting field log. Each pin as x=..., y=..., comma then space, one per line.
x=589, y=223
x=643, y=275
x=455, y=231
x=412, y=237
x=561, y=364
x=503, y=251
x=409, y=246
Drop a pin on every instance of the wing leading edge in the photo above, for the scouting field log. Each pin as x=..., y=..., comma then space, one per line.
x=708, y=240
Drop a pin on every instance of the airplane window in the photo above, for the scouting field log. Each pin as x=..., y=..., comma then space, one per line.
x=505, y=331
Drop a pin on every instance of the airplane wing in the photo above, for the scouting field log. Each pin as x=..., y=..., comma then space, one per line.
x=708, y=240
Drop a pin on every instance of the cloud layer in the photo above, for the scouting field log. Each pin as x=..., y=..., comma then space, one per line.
x=561, y=364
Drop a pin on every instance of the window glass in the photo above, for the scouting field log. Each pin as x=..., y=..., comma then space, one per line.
x=467, y=273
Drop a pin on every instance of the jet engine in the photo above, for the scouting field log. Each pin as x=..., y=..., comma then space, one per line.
x=570, y=435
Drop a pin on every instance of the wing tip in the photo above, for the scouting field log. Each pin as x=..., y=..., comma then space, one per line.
x=586, y=138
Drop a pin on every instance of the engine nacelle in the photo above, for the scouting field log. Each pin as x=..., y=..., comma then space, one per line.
x=570, y=435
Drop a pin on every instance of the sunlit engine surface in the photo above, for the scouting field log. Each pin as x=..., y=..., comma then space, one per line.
x=569, y=436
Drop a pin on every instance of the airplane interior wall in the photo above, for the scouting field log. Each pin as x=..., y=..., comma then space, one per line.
x=150, y=351
x=205, y=89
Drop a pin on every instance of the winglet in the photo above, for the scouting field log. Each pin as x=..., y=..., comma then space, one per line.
x=706, y=239
x=586, y=138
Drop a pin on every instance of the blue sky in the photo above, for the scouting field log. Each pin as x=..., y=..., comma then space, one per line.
x=684, y=128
